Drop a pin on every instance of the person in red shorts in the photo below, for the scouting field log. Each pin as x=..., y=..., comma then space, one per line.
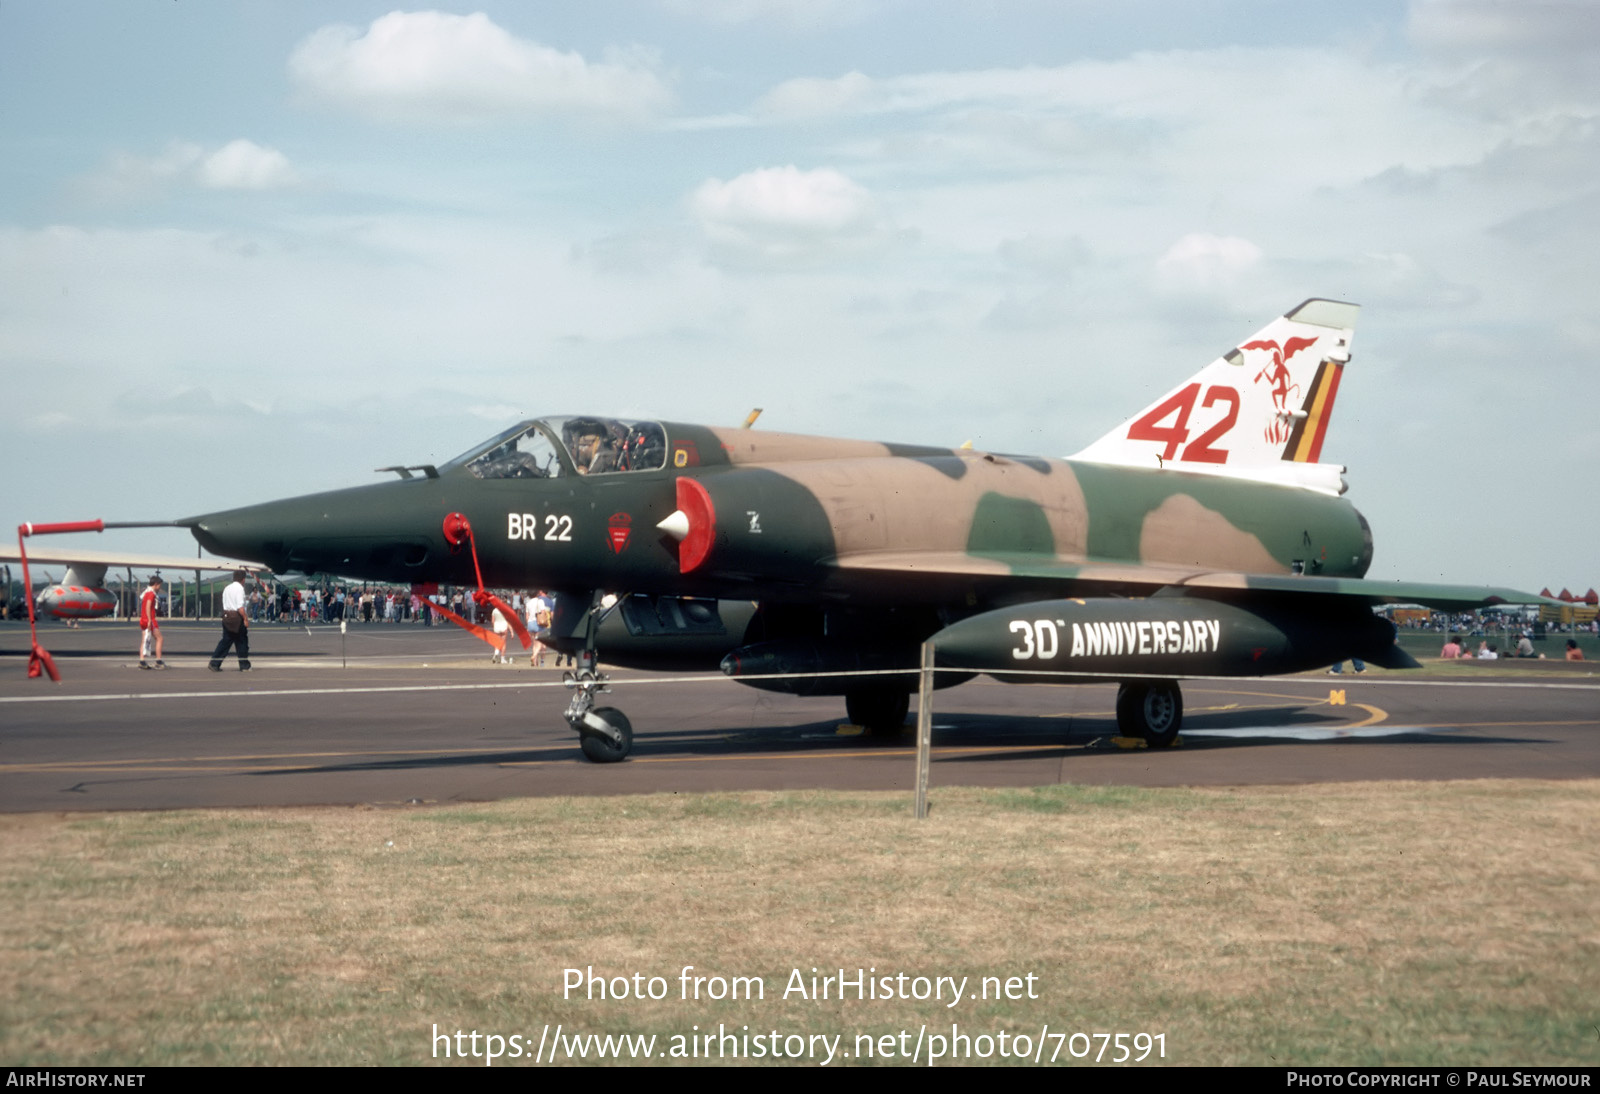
x=150, y=625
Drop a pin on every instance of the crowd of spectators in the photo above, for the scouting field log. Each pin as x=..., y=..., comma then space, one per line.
x=369, y=604
x=1488, y=624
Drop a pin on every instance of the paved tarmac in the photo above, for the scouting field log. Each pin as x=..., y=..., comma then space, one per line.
x=397, y=714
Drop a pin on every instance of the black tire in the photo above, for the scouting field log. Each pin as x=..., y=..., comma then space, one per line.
x=1153, y=711
x=600, y=749
x=881, y=713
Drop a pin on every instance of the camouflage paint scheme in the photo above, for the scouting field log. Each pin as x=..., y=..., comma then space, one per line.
x=1198, y=537
x=817, y=520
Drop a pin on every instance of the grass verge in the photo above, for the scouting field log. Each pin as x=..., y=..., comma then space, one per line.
x=1395, y=923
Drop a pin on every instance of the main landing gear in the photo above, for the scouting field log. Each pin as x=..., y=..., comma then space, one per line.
x=1152, y=709
x=879, y=711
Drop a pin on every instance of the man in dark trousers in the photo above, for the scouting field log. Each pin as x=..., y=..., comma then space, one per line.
x=235, y=626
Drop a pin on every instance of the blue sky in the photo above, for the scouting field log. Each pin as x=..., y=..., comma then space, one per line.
x=256, y=249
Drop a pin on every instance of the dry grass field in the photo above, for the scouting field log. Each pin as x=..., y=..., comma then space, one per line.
x=1398, y=923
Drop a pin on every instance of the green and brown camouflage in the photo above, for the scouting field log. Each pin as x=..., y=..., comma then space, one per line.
x=941, y=527
x=1206, y=509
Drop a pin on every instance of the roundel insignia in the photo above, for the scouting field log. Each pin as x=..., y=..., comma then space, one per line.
x=618, y=529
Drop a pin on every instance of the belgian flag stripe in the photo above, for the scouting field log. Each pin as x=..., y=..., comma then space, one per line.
x=1305, y=442
x=1326, y=389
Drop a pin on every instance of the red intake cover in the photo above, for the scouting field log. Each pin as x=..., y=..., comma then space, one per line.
x=695, y=504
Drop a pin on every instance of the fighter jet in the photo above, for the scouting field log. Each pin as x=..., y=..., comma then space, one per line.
x=1199, y=537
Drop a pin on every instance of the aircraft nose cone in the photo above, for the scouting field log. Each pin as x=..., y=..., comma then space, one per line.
x=375, y=532
x=255, y=533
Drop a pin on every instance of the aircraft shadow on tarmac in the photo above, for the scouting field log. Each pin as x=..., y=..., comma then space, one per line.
x=1266, y=726
x=433, y=762
x=973, y=734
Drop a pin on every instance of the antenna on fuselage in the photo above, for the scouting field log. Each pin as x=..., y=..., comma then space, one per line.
x=750, y=419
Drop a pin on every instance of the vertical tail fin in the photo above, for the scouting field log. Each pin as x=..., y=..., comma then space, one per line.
x=1263, y=404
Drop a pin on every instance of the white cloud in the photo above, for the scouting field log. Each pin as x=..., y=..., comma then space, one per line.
x=1522, y=61
x=436, y=67
x=785, y=198
x=245, y=165
x=1540, y=27
x=1202, y=260
x=1233, y=116
x=128, y=177
x=784, y=214
x=809, y=97
x=796, y=14
x=49, y=420
x=855, y=92
x=237, y=165
x=1400, y=280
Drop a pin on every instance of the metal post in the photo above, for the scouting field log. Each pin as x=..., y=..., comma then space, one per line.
x=924, y=729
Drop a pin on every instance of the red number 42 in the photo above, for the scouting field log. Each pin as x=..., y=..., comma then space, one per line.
x=1153, y=426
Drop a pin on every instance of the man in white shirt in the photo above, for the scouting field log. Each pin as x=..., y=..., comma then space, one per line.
x=235, y=626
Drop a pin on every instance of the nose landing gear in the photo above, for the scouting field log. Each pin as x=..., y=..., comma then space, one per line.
x=604, y=733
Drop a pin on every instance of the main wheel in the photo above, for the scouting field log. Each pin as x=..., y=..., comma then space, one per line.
x=881, y=713
x=1152, y=710
x=601, y=749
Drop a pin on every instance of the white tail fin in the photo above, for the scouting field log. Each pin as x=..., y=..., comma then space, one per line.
x=1257, y=412
x=90, y=575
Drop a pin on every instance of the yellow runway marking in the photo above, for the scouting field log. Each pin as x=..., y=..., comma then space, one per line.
x=1374, y=716
x=1298, y=698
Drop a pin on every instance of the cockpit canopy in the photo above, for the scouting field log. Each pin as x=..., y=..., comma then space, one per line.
x=548, y=448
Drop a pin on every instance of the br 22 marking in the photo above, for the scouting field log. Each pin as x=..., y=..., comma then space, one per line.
x=1150, y=427
x=557, y=528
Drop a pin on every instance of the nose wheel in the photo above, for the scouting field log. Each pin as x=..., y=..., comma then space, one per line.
x=604, y=733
